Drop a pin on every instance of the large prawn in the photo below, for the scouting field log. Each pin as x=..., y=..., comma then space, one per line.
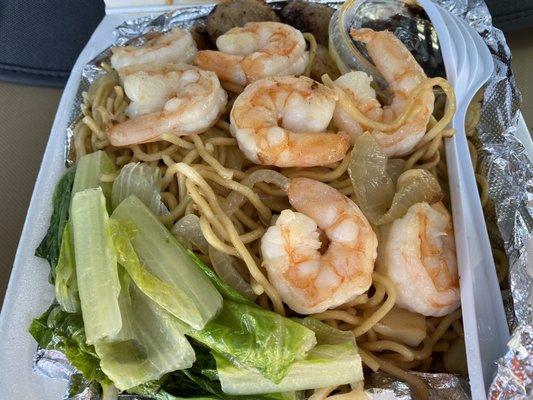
x=282, y=121
x=255, y=51
x=417, y=252
x=404, y=76
x=169, y=98
x=308, y=281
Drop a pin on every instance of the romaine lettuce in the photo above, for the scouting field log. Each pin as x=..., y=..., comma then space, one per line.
x=167, y=296
x=326, y=365
x=88, y=171
x=164, y=258
x=66, y=284
x=96, y=265
x=334, y=361
x=59, y=330
x=158, y=346
x=50, y=246
x=255, y=338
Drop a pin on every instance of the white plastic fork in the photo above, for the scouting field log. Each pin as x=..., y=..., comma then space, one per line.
x=468, y=66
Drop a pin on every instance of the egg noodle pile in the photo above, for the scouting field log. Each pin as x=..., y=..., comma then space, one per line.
x=203, y=173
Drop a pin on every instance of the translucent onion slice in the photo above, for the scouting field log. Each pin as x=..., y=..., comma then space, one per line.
x=188, y=231
x=227, y=268
x=235, y=199
x=373, y=178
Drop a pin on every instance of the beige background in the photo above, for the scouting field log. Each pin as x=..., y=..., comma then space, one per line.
x=26, y=116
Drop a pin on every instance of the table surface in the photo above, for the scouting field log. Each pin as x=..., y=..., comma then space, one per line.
x=26, y=116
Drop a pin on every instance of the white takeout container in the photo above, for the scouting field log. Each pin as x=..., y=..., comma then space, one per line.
x=29, y=294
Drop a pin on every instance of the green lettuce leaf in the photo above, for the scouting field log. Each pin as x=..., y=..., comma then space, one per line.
x=326, y=365
x=66, y=284
x=196, y=300
x=50, y=246
x=59, y=330
x=88, y=171
x=252, y=337
x=167, y=296
x=201, y=381
x=96, y=265
x=157, y=348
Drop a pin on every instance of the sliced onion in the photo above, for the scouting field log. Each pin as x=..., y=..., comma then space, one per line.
x=188, y=231
x=234, y=158
x=235, y=199
x=373, y=187
x=143, y=181
x=395, y=167
x=373, y=180
x=227, y=268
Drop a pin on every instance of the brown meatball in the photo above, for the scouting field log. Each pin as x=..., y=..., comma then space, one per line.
x=231, y=13
x=309, y=17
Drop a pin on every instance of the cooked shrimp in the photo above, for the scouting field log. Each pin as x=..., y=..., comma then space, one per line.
x=281, y=121
x=175, y=46
x=255, y=51
x=404, y=75
x=418, y=254
x=307, y=281
x=173, y=98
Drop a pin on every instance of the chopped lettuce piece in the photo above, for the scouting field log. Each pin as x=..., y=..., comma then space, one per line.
x=124, y=304
x=142, y=181
x=164, y=258
x=66, y=284
x=50, y=246
x=96, y=265
x=201, y=381
x=167, y=296
x=58, y=330
x=88, y=171
x=255, y=338
x=158, y=347
x=326, y=365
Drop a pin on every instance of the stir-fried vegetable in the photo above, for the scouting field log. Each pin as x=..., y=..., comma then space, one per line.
x=89, y=170
x=158, y=346
x=66, y=284
x=334, y=361
x=50, y=246
x=201, y=379
x=195, y=300
x=381, y=199
x=96, y=265
x=326, y=365
x=142, y=181
x=58, y=330
x=255, y=338
x=133, y=279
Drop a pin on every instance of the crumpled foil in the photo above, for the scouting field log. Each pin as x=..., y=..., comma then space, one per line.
x=441, y=387
x=503, y=162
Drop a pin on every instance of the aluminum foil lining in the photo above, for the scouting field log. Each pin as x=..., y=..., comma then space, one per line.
x=442, y=387
x=503, y=162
